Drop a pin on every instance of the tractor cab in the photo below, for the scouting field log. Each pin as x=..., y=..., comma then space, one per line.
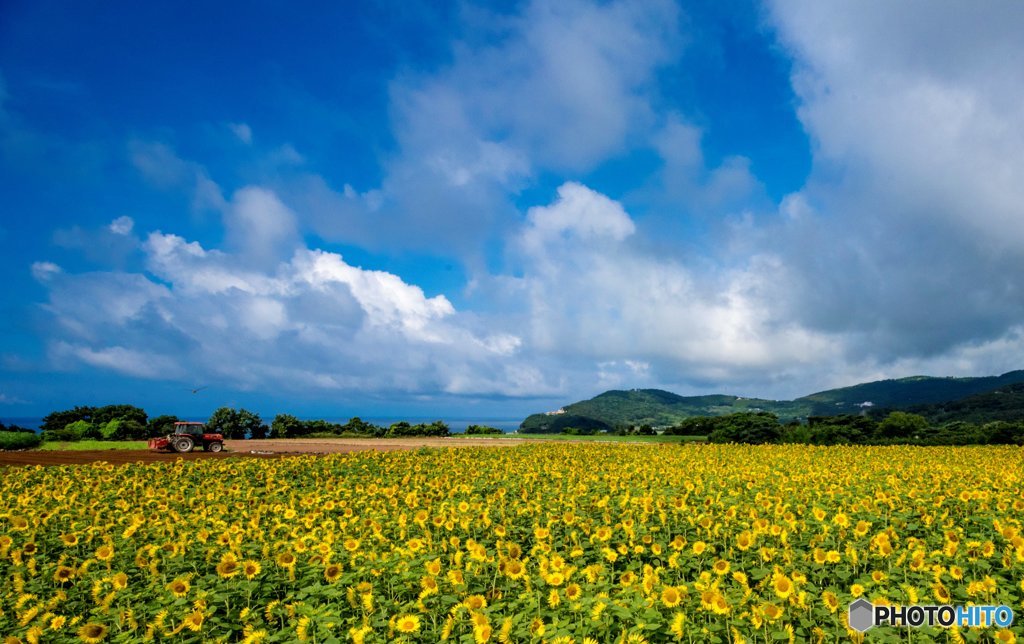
x=195, y=430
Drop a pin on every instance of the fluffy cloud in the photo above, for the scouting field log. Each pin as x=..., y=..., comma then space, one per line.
x=562, y=86
x=310, y=322
x=122, y=225
x=907, y=237
x=592, y=296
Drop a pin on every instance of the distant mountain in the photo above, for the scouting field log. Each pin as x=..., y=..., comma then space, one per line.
x=659, y=408
x=1005, y=403
x=915, y=390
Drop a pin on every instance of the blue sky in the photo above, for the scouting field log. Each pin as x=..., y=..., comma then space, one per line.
x=464, y=209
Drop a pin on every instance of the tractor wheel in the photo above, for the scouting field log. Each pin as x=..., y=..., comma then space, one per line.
x=182, y=445
x=214, y=447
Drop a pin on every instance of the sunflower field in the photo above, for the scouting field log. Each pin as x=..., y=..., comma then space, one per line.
x=540, y=543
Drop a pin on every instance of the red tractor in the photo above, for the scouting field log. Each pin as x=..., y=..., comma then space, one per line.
x=186, y=437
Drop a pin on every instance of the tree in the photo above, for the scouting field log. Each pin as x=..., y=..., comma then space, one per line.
x=104, y=415
x=58, y=420
x=694, y=426
x=161, y=425
x=482, y=430
x=81, y=429
x=900, y=425
x=110, y=430
x=401, y=428
x=236, y=424
x=1004, y=433
x=251, y=424
x=224, y=420
x=285, y=426
x=746, y=427
x=132, y=430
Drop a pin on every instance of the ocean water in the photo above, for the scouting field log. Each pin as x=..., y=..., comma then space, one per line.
x=457, y=425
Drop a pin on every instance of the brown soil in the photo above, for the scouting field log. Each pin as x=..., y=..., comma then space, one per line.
x=268, y=448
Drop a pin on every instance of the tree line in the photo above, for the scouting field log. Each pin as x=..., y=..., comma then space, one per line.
x=127, y=422
x=17, y=437
x=897, y=427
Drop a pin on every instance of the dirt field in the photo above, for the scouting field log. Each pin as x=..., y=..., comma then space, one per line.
x=268, y=448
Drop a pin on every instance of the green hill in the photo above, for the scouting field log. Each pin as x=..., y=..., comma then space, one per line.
x=655, y=407
x=915, y=390
x=1003, y=404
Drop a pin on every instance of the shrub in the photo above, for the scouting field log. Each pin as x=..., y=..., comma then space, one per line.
x=19, y=440
x=81, y=429
x=482, y=430
x=746, y=427
x=128, y=430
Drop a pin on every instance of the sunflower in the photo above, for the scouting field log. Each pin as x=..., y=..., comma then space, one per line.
x=332, y=573
x=251, y=568
x=179, y=587
x=771, y=611
x=678, y=621
x=194, y=621
x=407, y=624
x=699, y=547
x=455, y=578
x=428, y=585
x=515, y=569
x=92, y=633
x=227, y=568
x=351, y=544
x=830, y=600
x=482, y=634
x=63, y=574
x=573, y=592
x=856, y=590
x=286, y=559
x=783, y=586
x=105, y=553
x=670, y=597
x=475, y=602
x=69, y=539
x=721, y=567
